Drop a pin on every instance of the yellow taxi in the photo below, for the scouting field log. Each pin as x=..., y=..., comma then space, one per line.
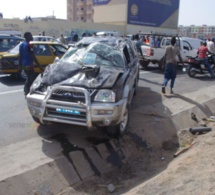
x=45, y=52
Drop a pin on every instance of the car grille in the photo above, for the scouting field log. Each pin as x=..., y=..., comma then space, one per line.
x=68, y=105
x=70, y=96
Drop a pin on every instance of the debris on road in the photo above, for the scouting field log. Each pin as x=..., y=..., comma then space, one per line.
x=199, y=130
x=183, y=149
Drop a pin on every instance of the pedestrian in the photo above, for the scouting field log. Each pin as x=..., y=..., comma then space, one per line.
x=171, y=65
x=138, y=44
x=146, y=39
x=62, y=39
x=202, y=51
x=26, y=59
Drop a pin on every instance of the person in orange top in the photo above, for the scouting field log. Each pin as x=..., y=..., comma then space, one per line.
x=146, y=40
x=202, y=51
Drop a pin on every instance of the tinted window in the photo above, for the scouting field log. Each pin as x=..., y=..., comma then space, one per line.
x=8, y=43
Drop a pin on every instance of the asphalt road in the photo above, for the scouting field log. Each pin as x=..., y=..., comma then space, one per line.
x=26, y=147
x=17, y=125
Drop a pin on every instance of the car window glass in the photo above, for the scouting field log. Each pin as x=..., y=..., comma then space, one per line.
x=97, y=54
x=15, y=50
x=42, y=50
x=58, y=50
x=168, y=42
x=186, y=45
x=5, y=44
x=106, y=55
x=69, y=53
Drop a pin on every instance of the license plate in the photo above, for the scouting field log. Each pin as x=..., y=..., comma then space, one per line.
x=67, y=111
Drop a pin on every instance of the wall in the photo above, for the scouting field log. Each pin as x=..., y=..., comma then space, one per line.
x=55, y=27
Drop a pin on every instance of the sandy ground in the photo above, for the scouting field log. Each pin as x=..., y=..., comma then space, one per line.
x=157, y=171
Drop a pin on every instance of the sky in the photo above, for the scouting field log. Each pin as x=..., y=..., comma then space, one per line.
x=191, y=12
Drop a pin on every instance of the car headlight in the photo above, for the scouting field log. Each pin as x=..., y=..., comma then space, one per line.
x=105, y=95
x=36, y=83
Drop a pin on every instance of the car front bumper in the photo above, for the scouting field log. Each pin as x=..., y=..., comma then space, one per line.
x=87, y=113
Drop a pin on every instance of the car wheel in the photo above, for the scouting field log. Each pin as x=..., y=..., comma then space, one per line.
x=143, y=63
x=120, y=129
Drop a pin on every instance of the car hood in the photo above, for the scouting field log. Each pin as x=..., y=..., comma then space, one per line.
x=7, y=55
x=88, y=76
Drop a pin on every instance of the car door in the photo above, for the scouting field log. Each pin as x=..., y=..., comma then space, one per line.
x=43, y=54
x=186, y=50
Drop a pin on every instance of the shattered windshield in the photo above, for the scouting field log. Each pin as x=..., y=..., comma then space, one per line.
x=95, y=54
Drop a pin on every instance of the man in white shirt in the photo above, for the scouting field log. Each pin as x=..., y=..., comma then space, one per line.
x=210, y=46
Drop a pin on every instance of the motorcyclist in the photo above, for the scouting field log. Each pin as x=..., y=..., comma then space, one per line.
x=202, y=51
x=211, y=46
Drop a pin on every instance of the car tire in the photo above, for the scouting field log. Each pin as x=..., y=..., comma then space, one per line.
x=143, y=63
x=120, y=129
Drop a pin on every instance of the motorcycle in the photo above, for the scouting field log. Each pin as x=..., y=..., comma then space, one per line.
x=196, y=65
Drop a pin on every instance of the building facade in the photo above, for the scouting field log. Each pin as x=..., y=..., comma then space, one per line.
x=146, y=15
x=80, y=10
x=202, y=32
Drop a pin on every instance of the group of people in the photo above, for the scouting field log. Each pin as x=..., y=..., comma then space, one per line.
x=171, y=64
x=27, y=58
x=172, y=52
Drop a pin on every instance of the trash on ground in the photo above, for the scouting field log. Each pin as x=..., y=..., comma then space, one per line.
x=199, y=130
x=183, y=149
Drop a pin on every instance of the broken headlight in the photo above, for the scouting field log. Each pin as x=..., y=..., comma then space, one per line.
x=105, y=95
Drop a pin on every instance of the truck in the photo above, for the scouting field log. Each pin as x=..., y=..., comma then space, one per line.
x=154, y=52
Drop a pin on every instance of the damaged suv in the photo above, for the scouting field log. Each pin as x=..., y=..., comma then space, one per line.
x=91, y=87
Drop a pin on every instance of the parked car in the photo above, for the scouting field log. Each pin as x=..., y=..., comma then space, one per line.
x=45, y=52
x=91, y=87
x=45, y=38
x=8, y=41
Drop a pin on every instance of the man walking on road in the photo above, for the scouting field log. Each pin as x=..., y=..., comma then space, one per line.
x=171, y=65
x=26, y=59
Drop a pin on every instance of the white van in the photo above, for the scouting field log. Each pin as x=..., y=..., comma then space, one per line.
x=194, y=42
